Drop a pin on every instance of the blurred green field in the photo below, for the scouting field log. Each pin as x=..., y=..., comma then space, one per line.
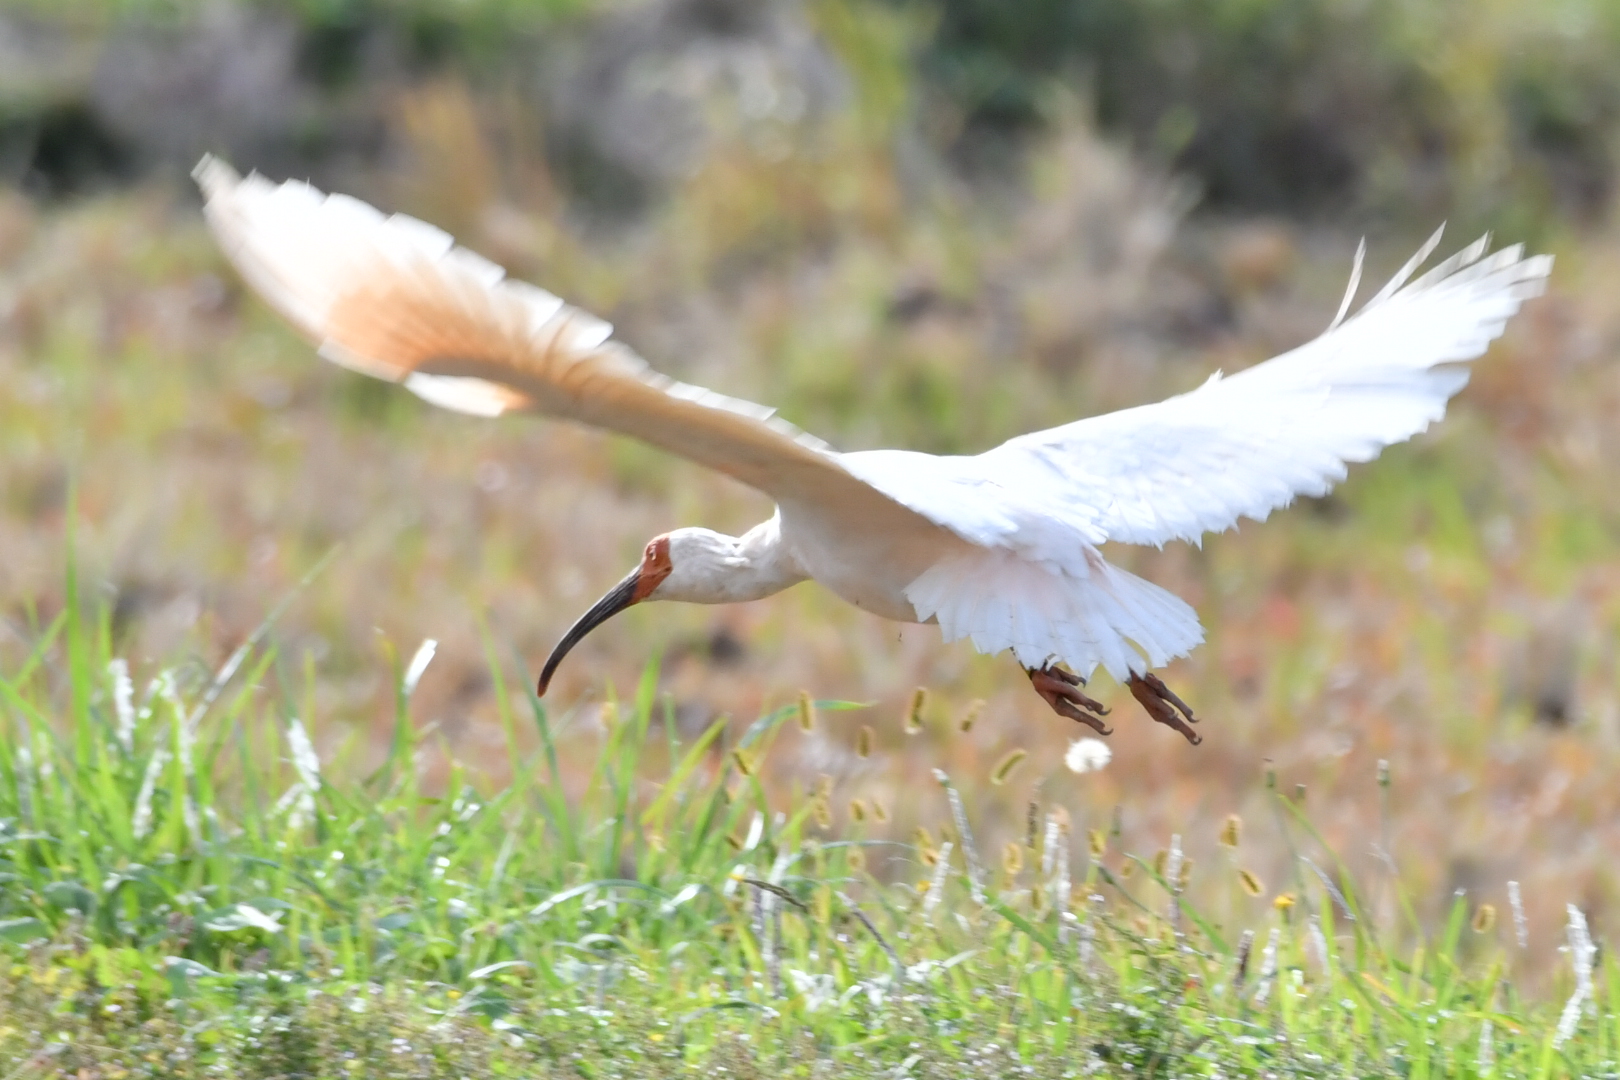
x=910, y=262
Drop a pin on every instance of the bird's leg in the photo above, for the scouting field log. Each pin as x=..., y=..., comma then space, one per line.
x=1061, y=690
x=1163, y=705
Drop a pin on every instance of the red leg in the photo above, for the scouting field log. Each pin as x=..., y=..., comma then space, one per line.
x=1163, y=705
x=1061, y=690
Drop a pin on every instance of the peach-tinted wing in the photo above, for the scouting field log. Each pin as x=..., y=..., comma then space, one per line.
x=394, y=297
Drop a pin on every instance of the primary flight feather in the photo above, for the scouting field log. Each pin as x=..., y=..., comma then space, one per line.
x=1000, y=548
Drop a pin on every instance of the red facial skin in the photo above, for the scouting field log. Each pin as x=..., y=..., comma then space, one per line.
x=655, y=567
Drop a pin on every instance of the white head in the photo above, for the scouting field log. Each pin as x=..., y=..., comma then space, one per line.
x=699, y=566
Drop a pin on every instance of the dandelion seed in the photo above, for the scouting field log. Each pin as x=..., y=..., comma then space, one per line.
x=1097, y=843
x=807, y=712
x=1251, y=883
x=1087, y=755
x=123, y=702
x=1283, y=901
x=418, y=666
x=1484, y=918
x=863, y=742
x=1232, y=831
x=1521, y=925
x=1004, y=768
x=914, y=711
x=857, y=809
x=1012, y=857
x=740, y=760
x=971, y=717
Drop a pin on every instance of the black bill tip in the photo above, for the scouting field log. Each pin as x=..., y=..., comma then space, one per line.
x=617, y=599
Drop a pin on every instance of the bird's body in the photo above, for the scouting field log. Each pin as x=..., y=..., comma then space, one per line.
x=1002, y=548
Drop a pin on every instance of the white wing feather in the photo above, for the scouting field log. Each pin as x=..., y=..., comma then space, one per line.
x=1235, y=447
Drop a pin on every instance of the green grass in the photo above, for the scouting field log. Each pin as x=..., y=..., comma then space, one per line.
x=187, y=889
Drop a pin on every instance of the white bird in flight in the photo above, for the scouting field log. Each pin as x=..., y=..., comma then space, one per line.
x=1000, y=548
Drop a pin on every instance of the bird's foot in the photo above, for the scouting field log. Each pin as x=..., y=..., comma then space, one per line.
x=1163, y=705
x=1061, y=690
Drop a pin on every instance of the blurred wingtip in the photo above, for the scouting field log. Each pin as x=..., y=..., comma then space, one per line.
x=214, y=176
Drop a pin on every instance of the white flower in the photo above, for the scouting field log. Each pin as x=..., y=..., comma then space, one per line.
x=1087, y=755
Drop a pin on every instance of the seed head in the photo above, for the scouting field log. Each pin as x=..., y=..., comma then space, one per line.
x=824, y=786
x=740, y=759
x=1484, y=918
x=855, y=856
x=1186, y=873
x=857, y=809
x=807, y=712
x=1127, y=868
x=971, y=717
x=880, y=813
x=914, y=711
x=823, y=814
x=922, y=840
x=1097, y=842
x=1251, y=882
x=1161, y=860
x=1004, y=768
x=1012, y=857
x=1087, y=755
x=1232, y=831
x=863, y=742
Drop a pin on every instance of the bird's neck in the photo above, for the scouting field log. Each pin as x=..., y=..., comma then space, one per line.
x=712, y=568
x=762, y=564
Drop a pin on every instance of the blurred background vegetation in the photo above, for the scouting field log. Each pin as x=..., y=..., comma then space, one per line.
x=926, y=223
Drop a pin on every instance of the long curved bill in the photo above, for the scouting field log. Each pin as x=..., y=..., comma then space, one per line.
x=618, y=598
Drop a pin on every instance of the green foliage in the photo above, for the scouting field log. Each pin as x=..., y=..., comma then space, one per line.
x=1314, y=104
x=186, y=888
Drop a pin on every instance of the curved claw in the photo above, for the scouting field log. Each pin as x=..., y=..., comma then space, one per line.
x=1162, y=704
x=1063, y=708
x=1059, y=689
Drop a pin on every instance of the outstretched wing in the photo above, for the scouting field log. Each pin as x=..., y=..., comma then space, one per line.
x=395, y=298
x=1235, y=447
